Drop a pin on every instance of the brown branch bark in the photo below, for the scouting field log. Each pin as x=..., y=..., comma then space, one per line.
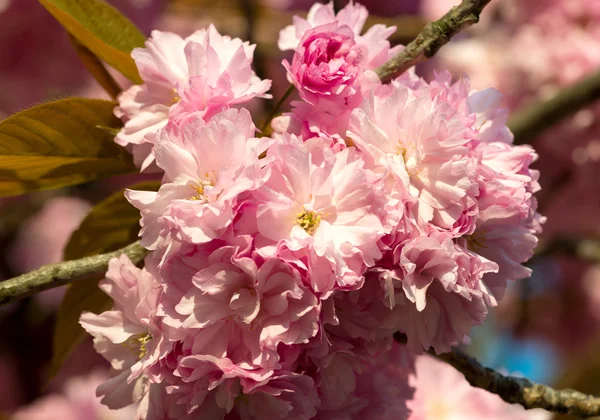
x=521, y=390
x=530, y=121
x=54, y=275
x=433, y=36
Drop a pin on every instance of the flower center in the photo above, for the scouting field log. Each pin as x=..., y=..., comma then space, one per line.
x=201, y=194
x=476, y=241
x=175, y=99
x=137, y=344
x=308, y=220
x=410, y=158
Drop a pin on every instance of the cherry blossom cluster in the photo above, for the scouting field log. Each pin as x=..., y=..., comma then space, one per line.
x=281, y=266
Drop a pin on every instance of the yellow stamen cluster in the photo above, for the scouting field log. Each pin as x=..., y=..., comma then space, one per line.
x=400, y=150
x=208, y=180
x=137, y=344
x=199, y=193
x=308, y=220
x=175, y=98
x=413, y=167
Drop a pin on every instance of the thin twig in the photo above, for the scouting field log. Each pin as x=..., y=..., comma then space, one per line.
x=433, y=36
x=54, y=275
x=275, y=110
x=96, y=68
x=521, y=390
x=527, y=123
x=584, y=249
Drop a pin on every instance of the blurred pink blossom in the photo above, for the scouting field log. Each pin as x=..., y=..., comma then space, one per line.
x=78, y=401
x=42, y=238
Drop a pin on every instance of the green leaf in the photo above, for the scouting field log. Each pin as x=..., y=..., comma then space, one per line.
x=110, y=225
x=102, y=29
x=58, y=144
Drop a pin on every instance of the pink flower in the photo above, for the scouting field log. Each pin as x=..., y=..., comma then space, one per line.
x=286, y=395
x=373, y=44
x=326, y=65
x=508, y=221
x=428, y=146
x=203, y=74
x=289, y=312
x=331, y=55
x=128, y=336
x=281, y=267
x=439, y=288
x=307, y=122
x=207, y=165
x=270, y=299
x=318, y=210
x=381, y=391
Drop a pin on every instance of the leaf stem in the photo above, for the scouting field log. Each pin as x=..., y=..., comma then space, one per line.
x=278, y=105
x=533, y=119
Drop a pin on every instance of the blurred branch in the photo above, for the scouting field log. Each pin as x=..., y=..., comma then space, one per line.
x=521, y=390
x=59, y=274
x=583, y=249
x=433, y=36
x=95, y=67
x=527, y=123
x=227, y=15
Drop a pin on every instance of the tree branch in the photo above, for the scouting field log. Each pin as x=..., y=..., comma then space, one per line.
x=433, y=36
x=54, y=275
x=521, y=390
x=530, y=121
x=581, y=248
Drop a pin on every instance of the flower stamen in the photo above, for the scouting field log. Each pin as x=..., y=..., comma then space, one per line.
x=308, y=220
x=137, y=344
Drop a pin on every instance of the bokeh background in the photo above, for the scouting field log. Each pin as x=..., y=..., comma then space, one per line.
x=547, y=327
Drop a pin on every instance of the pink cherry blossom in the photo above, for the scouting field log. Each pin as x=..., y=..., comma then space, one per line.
x=207, y=165
x=281, y=267
x=373, y=44
x=332, y=59
x=270, y=299
x=129, y=335
x=201, y=74
x=439, y=290
x=319, y=214
x=78, y=401
x=508, y=220
x=308, y=122
x=326, y=66
x=428, y=145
